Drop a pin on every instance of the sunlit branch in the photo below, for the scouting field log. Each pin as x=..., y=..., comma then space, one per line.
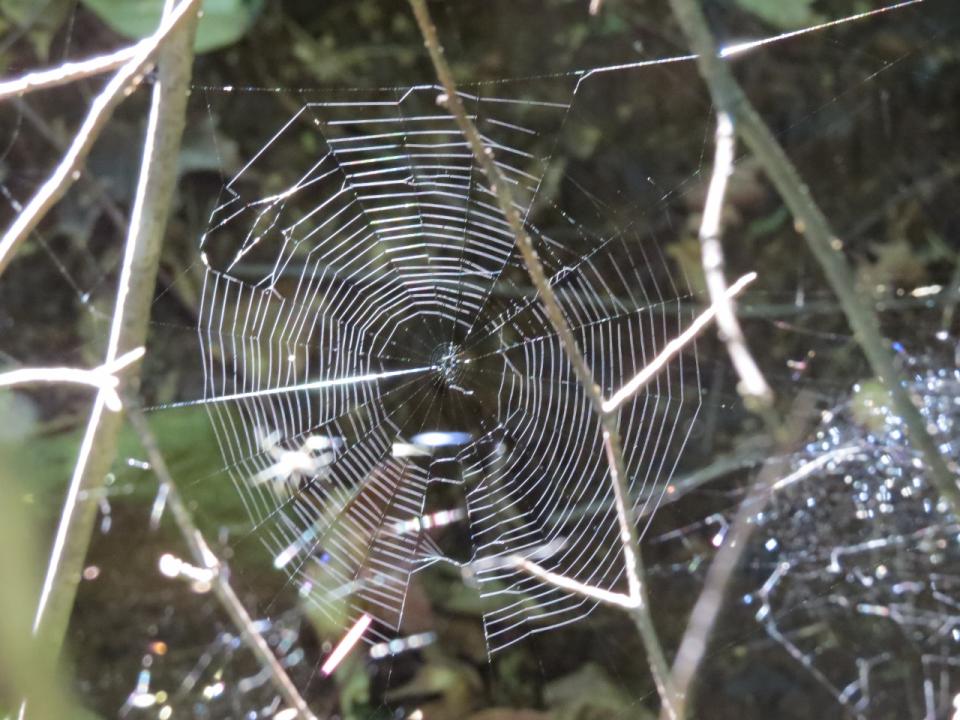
x=673, y=347
x=217, y=577
x=67, y=72
x=66, y=172
x=570, y=585
x=753, y=385
x=131, y=312
x=103, y=378
x=709, y=602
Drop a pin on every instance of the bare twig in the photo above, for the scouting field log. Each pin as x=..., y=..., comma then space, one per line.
x=752, y=386
x=130, y=317
x=813, y=224
x=68, y=72
x=673, y=347
x=103, y=378
x=218, y=575
x=626, y=514
x=129, y=75
x=570, y=585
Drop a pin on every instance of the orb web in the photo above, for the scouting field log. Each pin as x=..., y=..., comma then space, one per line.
x=384, y=385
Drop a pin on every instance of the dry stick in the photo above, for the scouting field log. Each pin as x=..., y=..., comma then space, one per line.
x=752, y=385
x=204, y=556
x=130, y=316
x=68, y=72
x=128, y=77
x=629, y=538
x=607, y=597
x=811, y=222
x=674, y=347
x=103, y=378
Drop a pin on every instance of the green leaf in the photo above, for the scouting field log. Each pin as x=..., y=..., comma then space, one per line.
x=783, y=15
x=223, y=21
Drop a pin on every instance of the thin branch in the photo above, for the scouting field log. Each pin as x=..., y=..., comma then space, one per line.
x=128, y=77
x=626, y=515
x=218, y=575
x=68, y=72
x=673, y=347
x=501, y=189
x=822, y=241
x=130, y=316
x=103, y=378
x=573, y=586
x=752, y=386
x=705, y=611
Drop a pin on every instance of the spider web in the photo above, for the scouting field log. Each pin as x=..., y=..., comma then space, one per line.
x=388, y=395
x=375, y=363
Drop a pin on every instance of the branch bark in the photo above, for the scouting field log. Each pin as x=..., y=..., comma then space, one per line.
x=813, y=225
x=131, y=315
x=103, y=378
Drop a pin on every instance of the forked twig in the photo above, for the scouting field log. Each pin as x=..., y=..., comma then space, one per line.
x=68, y=72
x=129, y=75
x=607, y=597
x=626, y=515
x=218, y=578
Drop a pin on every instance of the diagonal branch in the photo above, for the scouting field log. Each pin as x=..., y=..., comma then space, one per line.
x=822, y=241
x=673, y=347
x=570, y=585
x=706, y=609
x=128, y=77
x=68, y=72
x=103, y=378
x=626, y=514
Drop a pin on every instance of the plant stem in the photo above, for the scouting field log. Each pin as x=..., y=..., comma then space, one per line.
x=626, y=515
x=814, y=226
x=753, y=386
x=131, y=315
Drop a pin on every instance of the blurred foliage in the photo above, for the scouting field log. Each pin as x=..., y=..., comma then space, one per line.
x=784, y=15
x=223, y=21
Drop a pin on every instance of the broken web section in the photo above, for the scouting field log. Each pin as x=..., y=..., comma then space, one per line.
x=385, y=387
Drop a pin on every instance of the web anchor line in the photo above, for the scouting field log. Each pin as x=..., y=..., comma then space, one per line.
x=300, y=387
